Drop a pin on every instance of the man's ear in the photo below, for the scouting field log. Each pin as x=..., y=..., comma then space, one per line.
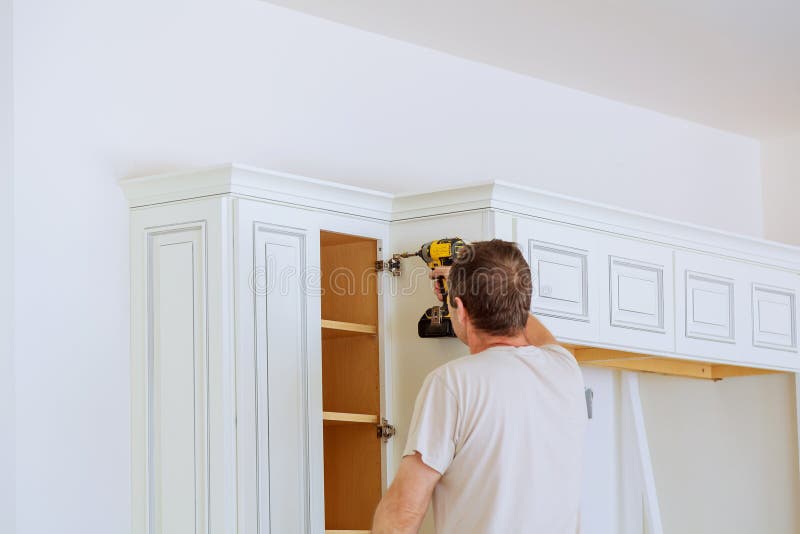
x=461, y=311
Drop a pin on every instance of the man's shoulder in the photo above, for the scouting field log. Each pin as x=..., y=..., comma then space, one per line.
x=496, y=358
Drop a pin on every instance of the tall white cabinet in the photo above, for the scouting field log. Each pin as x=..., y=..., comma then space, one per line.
x=258, y=355
x=272, y=358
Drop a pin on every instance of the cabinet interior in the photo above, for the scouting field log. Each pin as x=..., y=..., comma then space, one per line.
x=350, y=381
x=648, y=363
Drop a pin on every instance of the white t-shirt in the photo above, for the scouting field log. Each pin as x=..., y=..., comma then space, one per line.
x=505, y=427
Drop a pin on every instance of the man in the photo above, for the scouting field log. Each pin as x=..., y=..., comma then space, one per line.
x=497, y=436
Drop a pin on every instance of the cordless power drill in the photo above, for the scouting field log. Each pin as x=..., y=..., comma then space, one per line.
x=435, y=322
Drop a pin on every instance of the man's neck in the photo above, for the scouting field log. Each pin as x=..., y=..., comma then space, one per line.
x=479, y=343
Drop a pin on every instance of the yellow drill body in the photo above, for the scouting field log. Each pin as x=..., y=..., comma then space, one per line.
x=436, y=322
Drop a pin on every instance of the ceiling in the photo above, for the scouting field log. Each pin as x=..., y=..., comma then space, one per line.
x=732, y=65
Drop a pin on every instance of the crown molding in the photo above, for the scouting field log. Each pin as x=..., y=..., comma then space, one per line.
x=517, y=199
x=501, y=196
x=245, y=181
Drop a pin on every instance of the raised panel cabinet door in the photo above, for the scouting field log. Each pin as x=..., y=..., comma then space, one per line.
x=773, y=316
x=281, y=379
x=563, y=262
x=637, y=303
x=711, y=307
x=274, y=256
x=176, y=420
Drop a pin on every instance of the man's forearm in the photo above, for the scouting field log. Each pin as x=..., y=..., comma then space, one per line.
x=536, y=333
x=392, y=517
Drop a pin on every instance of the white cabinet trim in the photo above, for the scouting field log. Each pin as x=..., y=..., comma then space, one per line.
x=766, y=338
x=618, y=311
x=497, y=195
x=697, y=285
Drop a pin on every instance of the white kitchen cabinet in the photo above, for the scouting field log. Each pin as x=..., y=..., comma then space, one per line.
x=263, y=338
x=637, y=295
x=565, y=270
x=590, y=286
x=773, y=311
x=712, y=306
x=259, y=360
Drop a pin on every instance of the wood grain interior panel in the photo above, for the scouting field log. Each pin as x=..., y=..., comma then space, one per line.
x=352, y=455
x=350, y=381
x=349, y=280
x=351, y=375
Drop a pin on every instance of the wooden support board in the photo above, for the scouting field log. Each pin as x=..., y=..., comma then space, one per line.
x=632, y=361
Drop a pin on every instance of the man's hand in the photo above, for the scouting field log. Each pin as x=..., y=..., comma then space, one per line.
x=403, y=507
x=436, y=273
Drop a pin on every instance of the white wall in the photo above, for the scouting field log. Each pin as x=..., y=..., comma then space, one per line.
x=110, y=89
x=727, y=459
x=780, y=167
x=7, y=416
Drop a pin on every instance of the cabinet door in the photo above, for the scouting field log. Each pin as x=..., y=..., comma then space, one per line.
x=773, y=316
x=177, y=386
x=637, y=297
x=565, y=273
x=181, y=442
x=277, y=333
x=712, y=307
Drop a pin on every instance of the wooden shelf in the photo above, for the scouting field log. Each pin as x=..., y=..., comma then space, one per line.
x=648, y=363
x=333, y=418
x=332, y=329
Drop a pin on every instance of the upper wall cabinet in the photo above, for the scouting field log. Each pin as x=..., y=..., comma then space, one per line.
x=565, y=266
x=732, y=309
x=636, y=294
x=712, y=306
x=590, y=286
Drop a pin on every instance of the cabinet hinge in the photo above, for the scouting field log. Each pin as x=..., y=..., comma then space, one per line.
x=392, y=265
x=385, y=430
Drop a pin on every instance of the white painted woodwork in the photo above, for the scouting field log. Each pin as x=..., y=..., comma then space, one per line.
x=772, y=311
x=276, y=379
x=710, y=310
x=712, y=305
x=281, y=379
x=637, y=291
x=179, y=373
x=177, y=361
x=641, y=511
x=773, y=317
x=637, y=302
x=564, y=273
x=279, y=376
